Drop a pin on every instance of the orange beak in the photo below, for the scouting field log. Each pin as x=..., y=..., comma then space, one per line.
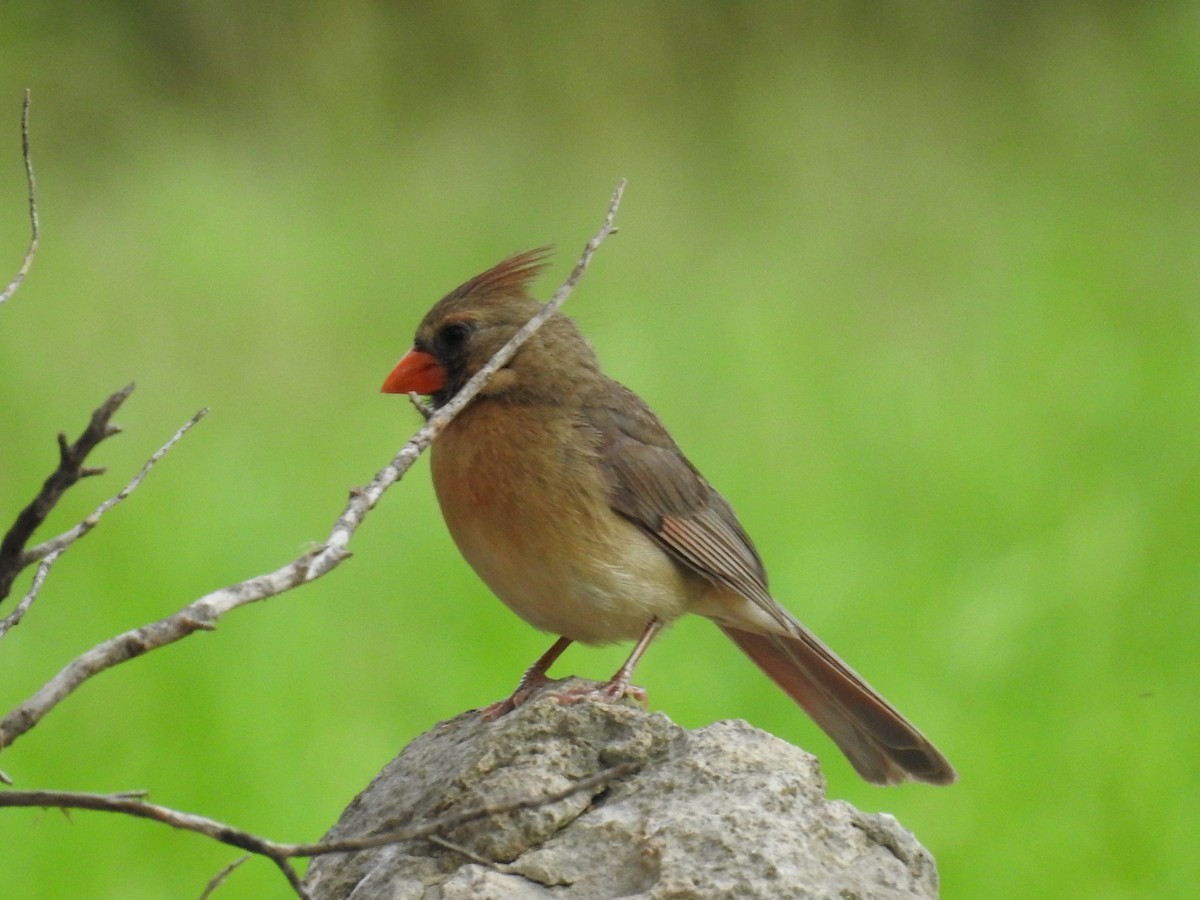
x=417, y=372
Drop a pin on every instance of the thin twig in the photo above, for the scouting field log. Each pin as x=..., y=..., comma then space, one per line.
x=219, y=879
x=466, y=853
x=455, y=820
x=33, y=213
x=39, y=578
x=132, y=804
x=419, y=404
x=202, y=614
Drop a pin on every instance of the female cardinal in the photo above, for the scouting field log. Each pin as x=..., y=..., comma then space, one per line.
x=572, y=502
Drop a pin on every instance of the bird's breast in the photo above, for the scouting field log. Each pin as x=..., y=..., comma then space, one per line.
x=526, y=503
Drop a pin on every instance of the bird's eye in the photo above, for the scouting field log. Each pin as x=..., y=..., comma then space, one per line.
x=453, y=335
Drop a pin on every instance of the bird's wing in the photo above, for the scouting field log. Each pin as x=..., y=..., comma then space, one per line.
x=653, y=485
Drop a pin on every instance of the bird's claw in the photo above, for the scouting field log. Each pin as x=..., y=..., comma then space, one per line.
x=524, y=691
x=608, y=692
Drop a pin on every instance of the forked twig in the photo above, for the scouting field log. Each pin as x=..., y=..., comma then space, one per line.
x=49, y=551
x=70, y=469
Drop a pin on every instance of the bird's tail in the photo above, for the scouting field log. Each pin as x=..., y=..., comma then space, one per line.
x=881, y=744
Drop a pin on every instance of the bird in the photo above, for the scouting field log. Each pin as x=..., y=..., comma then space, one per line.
x=572, y=502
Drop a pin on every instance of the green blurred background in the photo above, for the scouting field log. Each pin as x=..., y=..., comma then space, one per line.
x=914, y=284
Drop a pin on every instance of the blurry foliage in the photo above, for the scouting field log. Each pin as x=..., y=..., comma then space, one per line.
x=914, y=284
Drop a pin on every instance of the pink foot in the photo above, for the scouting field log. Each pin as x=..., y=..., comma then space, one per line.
x=609, y=692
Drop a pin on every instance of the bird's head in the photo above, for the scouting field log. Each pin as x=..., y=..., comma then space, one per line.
x=465, y=328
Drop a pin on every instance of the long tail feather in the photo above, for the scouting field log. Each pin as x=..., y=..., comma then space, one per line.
x=881, y=744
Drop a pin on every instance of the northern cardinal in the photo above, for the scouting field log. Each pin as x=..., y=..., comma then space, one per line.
x=571, y=501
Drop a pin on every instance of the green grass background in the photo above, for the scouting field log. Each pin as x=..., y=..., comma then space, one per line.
x=914, y=284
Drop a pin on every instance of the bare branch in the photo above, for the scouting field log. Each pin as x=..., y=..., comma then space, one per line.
x=33, y=213
x=132, y=803
x=202, y=614
x=52, y=549
x=71, y=458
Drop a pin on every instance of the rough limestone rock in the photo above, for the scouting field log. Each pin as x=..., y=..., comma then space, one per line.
x=724, y=811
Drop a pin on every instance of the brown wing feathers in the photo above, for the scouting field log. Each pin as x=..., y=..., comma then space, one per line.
x=653, y=484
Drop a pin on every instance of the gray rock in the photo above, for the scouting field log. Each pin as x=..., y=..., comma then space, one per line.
x=724, y=811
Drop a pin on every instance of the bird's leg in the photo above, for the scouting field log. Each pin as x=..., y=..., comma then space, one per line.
x=618, y=686
x=534, y=676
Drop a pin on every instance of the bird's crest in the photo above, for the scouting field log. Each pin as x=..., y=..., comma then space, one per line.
x=509, y=278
